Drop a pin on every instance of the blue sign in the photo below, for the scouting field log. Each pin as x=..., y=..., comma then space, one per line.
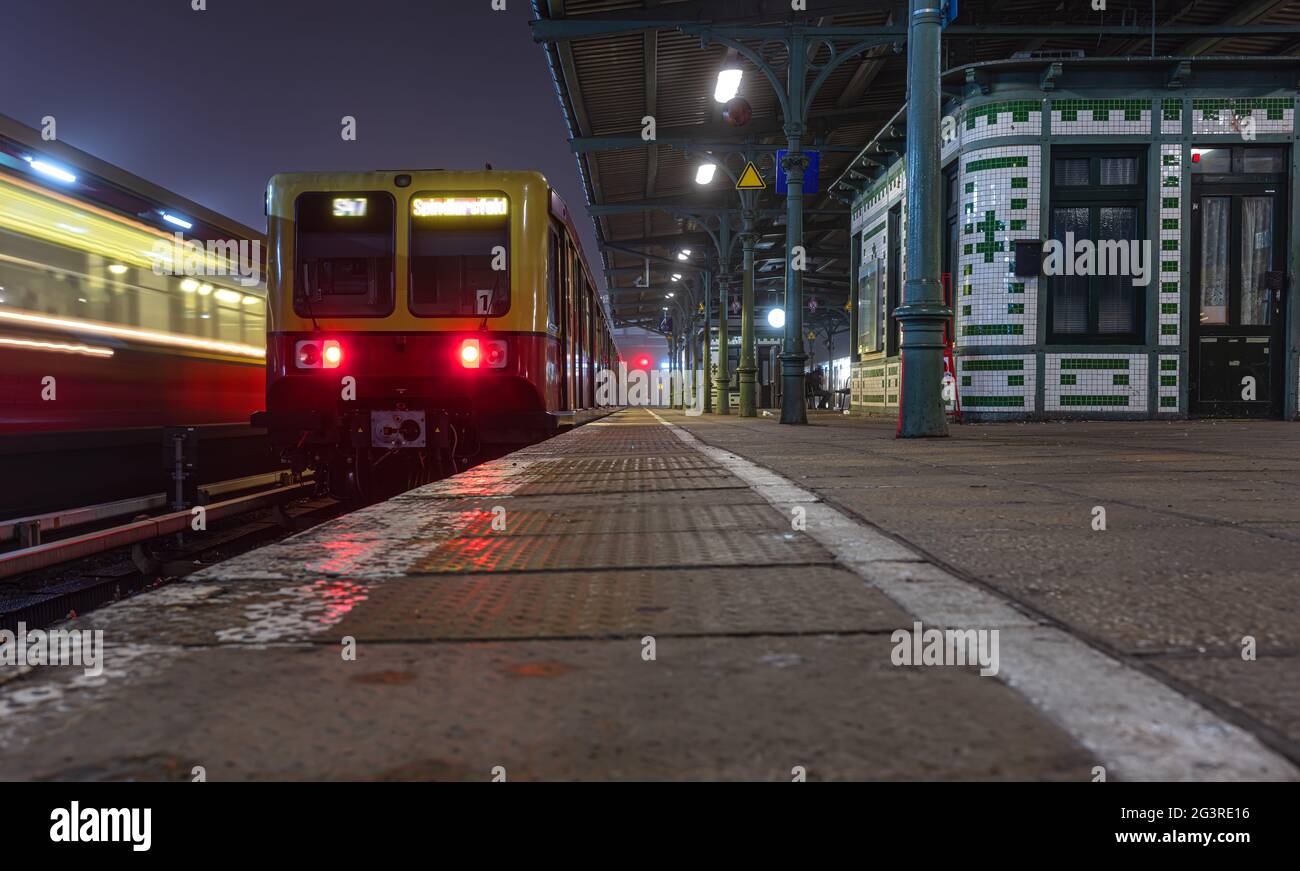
x=810, y=172
x=949, y=12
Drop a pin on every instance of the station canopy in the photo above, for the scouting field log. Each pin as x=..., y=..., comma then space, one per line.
x=618, y=63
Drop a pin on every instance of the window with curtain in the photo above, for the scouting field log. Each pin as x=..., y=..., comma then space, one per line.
x=1098, y=196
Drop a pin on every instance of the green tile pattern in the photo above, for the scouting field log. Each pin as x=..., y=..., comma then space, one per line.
x=992, y=365
x=1100, y=110
x=1018, y=109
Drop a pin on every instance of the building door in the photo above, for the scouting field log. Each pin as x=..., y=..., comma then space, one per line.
x=1238, y=302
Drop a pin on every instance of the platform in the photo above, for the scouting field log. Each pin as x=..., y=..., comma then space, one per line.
x=767, y=567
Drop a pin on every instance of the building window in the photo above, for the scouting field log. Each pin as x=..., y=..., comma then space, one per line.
x=1097, y=218
x=869, y=304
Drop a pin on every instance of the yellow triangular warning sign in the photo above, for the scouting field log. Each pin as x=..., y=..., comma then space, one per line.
x=750, y=180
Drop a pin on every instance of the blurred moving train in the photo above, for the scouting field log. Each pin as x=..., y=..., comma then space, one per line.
x=423, y=319
x=98, y=350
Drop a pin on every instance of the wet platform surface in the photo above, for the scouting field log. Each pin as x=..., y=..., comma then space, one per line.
x=502, y=620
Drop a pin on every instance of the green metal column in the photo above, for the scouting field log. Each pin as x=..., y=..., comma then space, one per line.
x=723, y=380
x=923, y=313
x=793, y=407
x=688, y=338
x=748, y=367
x=672, y=363
x=708, y=336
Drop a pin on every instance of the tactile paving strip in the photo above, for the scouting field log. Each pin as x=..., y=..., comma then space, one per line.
x=630, y=482
x=628, y=603
x=721, y=547
x=639, y=440
x=593, y=465
x=520, y=517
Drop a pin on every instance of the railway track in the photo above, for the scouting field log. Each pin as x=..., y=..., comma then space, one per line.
x=71, y=561
x=61, y=563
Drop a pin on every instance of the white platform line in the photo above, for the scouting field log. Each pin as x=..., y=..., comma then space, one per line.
x=1138, y=727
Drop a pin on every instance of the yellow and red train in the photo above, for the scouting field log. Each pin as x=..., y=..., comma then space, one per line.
x=420, y=319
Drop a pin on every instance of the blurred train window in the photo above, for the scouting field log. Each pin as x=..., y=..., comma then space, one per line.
x=66, y=283
x=344, y=254
x=460, y=254
x=78, y=275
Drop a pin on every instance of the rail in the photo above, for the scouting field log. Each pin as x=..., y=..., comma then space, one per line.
x=88, y=544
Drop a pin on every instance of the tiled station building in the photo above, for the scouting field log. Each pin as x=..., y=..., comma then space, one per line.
x=1196, y=157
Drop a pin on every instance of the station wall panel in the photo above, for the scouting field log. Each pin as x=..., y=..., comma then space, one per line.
x=1167, y=391
x=1170, y=256
x=1095, y=382
x=1002, y=383
x=999, y=203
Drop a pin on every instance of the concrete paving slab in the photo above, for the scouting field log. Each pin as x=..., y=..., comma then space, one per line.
x=1200, y=547
x=704, y=709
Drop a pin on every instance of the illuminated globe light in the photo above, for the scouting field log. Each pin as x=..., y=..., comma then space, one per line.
x=737, y=112
x=776, y=318
x=333, y=354
x=116, y=268
x=189, y=285
x=469, y=353
x=704, y=174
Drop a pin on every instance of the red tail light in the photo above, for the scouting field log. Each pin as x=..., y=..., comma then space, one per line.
x=483, y=353
x=313, y=354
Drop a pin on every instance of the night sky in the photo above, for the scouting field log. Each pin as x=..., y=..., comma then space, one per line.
x=211, y=104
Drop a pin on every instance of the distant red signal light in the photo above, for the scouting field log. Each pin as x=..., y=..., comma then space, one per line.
x=643, y=362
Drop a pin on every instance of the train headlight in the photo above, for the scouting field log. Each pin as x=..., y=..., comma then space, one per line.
x=310, y=354
x=469, y=353
x=494, y=354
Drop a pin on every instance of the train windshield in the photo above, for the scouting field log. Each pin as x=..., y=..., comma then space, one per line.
x=460, y=254
x=345, y=247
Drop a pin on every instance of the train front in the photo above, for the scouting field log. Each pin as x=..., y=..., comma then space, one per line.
x=408, y=325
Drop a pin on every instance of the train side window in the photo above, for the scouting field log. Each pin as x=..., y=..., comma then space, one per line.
x=344, y=249
x=553, y=267
x=460, y=254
